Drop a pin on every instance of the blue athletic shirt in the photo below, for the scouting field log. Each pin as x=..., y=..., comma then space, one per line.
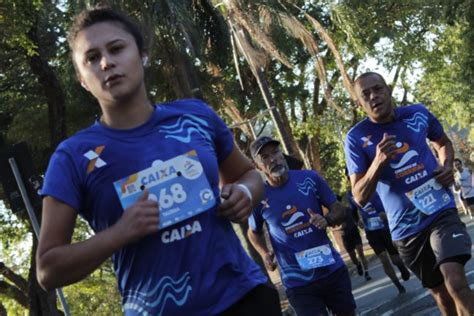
x=370, y=212
x=195, y=267
x=412, y=167
x=285, y=212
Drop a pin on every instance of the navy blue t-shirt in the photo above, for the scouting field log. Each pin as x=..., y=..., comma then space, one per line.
x=410, y=195
x=370, y=212
x=195, y=267
x=285, y=212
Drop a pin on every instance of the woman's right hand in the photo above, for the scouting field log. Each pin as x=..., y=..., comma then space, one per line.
x=138, y=220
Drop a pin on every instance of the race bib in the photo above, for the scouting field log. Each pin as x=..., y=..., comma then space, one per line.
x=429, y=197
x=375, y=223
x=179, y=185
x=316, y=257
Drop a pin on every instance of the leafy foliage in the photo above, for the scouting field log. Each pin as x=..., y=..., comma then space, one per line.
x=427, y=47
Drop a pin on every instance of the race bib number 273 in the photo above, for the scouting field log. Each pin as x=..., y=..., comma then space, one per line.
x=179, y=185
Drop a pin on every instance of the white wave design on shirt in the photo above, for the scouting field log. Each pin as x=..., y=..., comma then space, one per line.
x=292, y=219
x=294, y=272
x=167, y=289
x=417, y=122
x=185, y=127
x=406, y=157
x=306, y=186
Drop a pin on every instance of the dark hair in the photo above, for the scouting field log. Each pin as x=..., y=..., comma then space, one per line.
x=458, y=160
x=96, y=15
x=369, y=73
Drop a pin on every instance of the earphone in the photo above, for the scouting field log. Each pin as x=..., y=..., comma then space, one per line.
x=145, y=60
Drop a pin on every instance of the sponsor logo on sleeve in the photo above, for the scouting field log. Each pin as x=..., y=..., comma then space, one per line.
x=94, y=160
x=366, y=141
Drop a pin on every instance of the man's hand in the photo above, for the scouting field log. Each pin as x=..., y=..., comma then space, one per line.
x=444, y=175
x=138, y=220
x=269, y=260
x=386, y=149
x=236, y=204
x=317, y=220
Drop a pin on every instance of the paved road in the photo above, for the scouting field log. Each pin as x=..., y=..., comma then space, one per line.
x=380, y=297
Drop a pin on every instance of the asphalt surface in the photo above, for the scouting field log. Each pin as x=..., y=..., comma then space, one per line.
x=380, y=297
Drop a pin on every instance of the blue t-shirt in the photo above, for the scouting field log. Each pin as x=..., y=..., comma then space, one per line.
x=370, y=212
x=285, y=212
x=195, y=267
x=410, y=196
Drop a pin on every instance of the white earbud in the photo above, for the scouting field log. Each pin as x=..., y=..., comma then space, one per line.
x=84, y=86
x=145, y=60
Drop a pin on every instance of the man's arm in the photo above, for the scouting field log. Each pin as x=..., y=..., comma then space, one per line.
x=258, y=242
x=444, y=148
x=364, y=184
x=336, y=215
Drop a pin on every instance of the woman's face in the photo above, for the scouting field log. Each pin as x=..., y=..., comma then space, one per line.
x=108, y=62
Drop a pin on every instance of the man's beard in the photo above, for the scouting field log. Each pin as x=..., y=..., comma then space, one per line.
x=279, y=170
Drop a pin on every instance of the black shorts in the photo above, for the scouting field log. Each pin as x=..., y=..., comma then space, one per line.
x=261, y=300
x=333, y=292
x=351, y=239
x=444, y=240
x=381, y=241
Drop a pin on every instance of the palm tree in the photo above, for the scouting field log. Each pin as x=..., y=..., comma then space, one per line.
x=251, y=24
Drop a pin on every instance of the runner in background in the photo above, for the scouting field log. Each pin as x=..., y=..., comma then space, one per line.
x=352, y=242
x=463, y=183
x=374, y=221
x=312, y=271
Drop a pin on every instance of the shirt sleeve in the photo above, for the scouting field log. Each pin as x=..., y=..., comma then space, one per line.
x=435, y=129
x=256, y=220
x=62, y=180
x=356, y=161
x=325, y=195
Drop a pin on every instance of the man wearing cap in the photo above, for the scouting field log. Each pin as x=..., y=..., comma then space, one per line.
x=315, y=277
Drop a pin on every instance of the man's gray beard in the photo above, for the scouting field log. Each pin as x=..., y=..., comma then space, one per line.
x=279, y=171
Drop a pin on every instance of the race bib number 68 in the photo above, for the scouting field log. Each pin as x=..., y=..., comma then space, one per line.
x=179, y=185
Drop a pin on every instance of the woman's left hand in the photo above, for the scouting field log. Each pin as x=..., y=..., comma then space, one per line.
x=236, y=205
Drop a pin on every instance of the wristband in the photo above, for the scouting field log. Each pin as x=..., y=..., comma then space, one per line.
x=246, y=190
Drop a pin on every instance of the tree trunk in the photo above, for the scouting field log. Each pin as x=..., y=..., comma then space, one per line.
x=314, y=142
x=337, y=56
x=16, y=279
x=3, y=311
x=257, y=71
x=179, y=71
x=286, y=124
x=230, y=108
x=284, y=136
x=41, y=303
x=50, y=84
x=14, y=293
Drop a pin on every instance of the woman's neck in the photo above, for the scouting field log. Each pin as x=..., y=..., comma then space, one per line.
x=128, y=113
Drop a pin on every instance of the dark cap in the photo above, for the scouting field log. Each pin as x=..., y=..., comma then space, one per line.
x=258, y=144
